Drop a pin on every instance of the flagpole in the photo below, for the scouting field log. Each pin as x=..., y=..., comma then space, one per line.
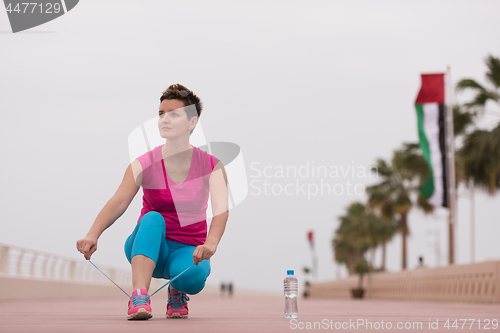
x=472, y=236
x=452, y=198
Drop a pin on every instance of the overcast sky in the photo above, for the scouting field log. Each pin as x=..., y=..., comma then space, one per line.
x=293, y=83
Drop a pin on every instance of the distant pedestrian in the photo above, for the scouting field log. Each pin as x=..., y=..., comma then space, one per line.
x=421, y=262
x=222, y=289
x=230, y=289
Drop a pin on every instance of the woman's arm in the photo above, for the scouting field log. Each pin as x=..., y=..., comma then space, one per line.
x=219, y=198
x=113, y=209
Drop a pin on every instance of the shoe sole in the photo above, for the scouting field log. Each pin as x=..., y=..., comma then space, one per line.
x=176, y=315
x=141, y=314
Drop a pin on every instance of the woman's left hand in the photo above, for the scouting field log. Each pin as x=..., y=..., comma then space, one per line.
x=202, y=252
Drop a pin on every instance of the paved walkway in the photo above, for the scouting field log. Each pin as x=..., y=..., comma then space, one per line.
x=246, y=313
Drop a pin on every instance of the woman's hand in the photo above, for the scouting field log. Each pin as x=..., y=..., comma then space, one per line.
x=87, y=246
x=205, y=251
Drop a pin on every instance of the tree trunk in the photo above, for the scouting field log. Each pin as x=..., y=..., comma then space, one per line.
x=383, y=257
x=404, y=232
x=372, y=258
x=350, y=266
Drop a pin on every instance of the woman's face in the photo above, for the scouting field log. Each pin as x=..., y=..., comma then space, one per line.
x=172, y=120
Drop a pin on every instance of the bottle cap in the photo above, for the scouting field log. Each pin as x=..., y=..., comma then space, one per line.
x=289, y=272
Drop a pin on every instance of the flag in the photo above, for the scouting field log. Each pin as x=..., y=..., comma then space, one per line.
x=310, y=238
x=431, y=116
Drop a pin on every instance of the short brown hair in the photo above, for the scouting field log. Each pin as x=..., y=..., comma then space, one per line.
x=181, y=93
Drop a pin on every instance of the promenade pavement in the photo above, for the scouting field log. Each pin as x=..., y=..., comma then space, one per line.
x=247, y=312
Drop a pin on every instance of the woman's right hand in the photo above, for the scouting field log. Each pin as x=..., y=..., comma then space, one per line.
x=87, y=246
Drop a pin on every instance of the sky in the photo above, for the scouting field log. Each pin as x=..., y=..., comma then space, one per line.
x=294, y=83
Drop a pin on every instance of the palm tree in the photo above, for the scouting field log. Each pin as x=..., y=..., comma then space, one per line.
x=352, y=238
x=483, y=94
x=401, y=180
x=379, y=232
x=360, y=230
x=478, y=159
x=463, y=118
x=386, y=228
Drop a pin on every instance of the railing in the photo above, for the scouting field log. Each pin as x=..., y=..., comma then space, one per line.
x=478, y=283
x=25, y=263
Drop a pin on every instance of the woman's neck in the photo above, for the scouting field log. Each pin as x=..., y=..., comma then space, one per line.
x=171, y=148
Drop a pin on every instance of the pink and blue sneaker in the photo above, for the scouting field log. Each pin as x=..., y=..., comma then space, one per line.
x=177, y=304
x=138, y=306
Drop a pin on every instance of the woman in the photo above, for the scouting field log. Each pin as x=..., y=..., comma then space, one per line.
x=171, y=234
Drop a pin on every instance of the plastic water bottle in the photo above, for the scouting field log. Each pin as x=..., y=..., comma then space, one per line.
x=291, y=292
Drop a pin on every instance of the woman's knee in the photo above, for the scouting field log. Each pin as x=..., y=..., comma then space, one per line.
x=194, y=282
x=152, y=219
x=191, y=287
x=149, y=230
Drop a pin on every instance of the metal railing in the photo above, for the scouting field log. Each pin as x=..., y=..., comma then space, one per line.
x=32, y=264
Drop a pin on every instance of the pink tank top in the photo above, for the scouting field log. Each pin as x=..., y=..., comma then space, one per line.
x=183, y=206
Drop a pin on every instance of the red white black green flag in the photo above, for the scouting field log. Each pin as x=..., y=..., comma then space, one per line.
x=431, y=115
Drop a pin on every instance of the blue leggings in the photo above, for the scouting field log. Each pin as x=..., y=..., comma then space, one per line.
x=170, y=257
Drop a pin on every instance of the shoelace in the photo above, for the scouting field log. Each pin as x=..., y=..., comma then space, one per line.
x=140, y=300
x=177, y=300
x=166, y=284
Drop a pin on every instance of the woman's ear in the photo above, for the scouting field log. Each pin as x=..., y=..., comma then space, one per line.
x=192, y=123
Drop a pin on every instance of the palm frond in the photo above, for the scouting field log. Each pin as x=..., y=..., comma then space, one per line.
x=482, y=97
x=469, y=84
x=463, y=118
x=493, y=74
x=424, y=205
